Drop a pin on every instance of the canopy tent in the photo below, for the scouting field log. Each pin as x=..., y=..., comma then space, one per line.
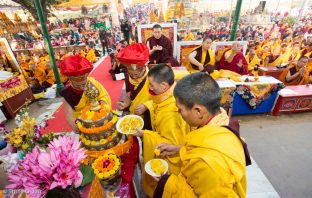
x=77, y=3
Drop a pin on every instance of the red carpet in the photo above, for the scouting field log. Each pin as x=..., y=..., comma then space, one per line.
x=59, y=122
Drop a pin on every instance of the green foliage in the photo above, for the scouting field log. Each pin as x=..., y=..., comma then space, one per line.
x=88, y=174
x=290, y=20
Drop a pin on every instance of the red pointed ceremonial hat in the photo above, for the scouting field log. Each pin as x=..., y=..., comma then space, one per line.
x=75, y=65
x=134, y=55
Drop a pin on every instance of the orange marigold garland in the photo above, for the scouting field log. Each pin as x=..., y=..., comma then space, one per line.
x=92, y=130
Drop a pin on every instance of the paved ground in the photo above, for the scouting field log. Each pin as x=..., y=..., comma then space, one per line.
x=281, y=147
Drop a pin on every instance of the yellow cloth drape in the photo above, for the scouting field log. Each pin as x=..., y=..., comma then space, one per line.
x=168, y=127
x=84, y=101
x=251, y=64
x=213, y=166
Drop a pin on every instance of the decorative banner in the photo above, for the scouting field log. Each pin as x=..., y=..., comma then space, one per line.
x=12, y=87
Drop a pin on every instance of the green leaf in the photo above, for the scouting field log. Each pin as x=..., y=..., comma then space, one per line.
x=88, y=174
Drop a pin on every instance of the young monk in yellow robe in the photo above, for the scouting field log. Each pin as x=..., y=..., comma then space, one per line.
x=201, y=58
x=275, y=59
x=189, y=36
x=285, y=53
x=308, y=53
x=91, y=54
x=252, y=59
x=297, y=73
x=295, y=53
x=167, y=124
x=38, y=73
x=213, y=158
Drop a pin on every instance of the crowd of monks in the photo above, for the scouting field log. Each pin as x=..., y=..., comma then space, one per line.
x=37, y=67
x=272, y=52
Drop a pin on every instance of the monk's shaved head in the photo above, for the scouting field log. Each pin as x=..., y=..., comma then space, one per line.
x=199, y=88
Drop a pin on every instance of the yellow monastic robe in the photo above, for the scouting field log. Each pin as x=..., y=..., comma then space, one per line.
x=84, y=101
x=213, y=166
x=309, y=65
x=189, y=37
x=276, y=62
x=141, y=98
x=40, y=75
x=286, y=55
x=91, y=56
x=168, y=127
x=25, y=66
x=82, y=53
x=251, y=64
x=50, y=77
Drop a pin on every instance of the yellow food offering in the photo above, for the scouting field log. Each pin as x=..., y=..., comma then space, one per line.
x=157, y=166
x=131, y=125
x=157, y=152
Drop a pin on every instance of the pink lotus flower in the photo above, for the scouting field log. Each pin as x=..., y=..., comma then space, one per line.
x=41, y=171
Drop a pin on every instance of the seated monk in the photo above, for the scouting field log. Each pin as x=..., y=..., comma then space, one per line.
x=234, y=60
x=189, y=36
x=160, y=48
x=202, y=58
x=37, y=77
x=295, y=53
x=219, y=52
x=77, y=69
x=285, y=53
x=308, y=53
x=90, y=54
x=275, y=59
x=252, y=59
x=297, y=73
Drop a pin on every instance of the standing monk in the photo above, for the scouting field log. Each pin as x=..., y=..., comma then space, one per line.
x=167, y=124
x=234, y=60
x=135, y=58
x=212, y=157
x=160, y=48
x=77, y=69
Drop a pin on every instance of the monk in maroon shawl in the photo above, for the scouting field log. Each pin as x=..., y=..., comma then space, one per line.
x=234, y=60
x=160, y=48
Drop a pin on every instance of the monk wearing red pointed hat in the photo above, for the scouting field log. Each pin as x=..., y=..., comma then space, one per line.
x=77, y=69
x=135, y=57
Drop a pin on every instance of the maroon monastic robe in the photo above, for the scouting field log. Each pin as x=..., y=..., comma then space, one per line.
x=166, y=54
x=232, y=66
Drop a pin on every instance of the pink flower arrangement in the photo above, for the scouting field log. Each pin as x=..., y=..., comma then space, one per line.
x=41, y=171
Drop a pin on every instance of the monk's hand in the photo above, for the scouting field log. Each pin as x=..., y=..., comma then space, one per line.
x=240, y=63
x=140, y=109
x=201, y=67
x=121, y=105
x=168, y=149
x=139, y=133
x=155, y=48
x=302, y=71
x=159, y=47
